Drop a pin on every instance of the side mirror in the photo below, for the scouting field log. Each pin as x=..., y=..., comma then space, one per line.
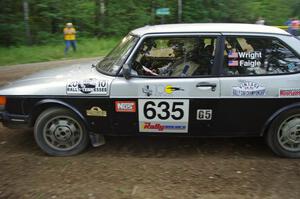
x=126, y=71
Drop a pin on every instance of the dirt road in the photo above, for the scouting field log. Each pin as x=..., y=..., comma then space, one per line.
x=143, y=167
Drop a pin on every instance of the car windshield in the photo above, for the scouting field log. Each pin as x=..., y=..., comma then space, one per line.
x=114, y=60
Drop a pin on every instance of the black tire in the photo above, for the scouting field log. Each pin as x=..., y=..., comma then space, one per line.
x=280, y=128
x=60, y=132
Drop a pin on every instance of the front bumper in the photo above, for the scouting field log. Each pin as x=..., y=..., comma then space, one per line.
x=14, y=120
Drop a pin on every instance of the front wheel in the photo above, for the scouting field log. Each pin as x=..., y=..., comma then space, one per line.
x=60, y=132
x=283, y=136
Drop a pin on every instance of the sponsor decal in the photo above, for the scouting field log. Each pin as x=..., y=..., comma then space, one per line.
x=161, y=127
x=125, y=106
x=291, y=92
x=88, y=86
x=96, y=111
x=147, y=90
x=204, y=114
x=171, y=89
x=248, y=88
x=160, y=90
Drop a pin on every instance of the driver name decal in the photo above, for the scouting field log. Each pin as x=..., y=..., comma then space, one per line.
x=88, y=87
x=244, y=59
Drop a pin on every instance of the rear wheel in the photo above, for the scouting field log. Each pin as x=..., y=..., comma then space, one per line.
x=60, y=132
x=283, y=136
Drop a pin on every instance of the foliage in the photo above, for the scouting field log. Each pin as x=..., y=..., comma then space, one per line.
x=47, y=18
x=87, y=47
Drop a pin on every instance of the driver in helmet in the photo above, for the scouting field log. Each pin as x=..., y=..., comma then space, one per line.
x=186, y=53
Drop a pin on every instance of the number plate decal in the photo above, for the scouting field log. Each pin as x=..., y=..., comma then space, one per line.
x=163, y=115
x=204, y=114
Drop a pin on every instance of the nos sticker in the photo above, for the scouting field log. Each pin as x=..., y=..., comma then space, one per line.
x=163, y=115
x=125, y=106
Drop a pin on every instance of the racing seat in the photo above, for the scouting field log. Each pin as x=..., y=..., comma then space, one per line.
x=205, y=61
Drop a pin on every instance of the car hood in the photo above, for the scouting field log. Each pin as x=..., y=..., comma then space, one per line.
x=79, y=79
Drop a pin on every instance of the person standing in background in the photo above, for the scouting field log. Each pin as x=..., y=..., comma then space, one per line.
x=70, y=37
x=295, y=24
x=288, y=23
x=260, y=21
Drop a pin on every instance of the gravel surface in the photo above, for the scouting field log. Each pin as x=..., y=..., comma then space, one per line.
x=142, y=167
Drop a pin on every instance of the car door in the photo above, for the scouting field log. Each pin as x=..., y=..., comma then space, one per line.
x=185, y=101
x=260, y=75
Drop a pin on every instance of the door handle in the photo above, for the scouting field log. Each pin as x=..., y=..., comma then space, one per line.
x=207, y=84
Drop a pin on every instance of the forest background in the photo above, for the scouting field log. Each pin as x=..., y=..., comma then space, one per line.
x=31, y=30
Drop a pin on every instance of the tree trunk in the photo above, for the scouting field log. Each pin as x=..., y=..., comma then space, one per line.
x=179, y=11
x=152, y=12
x=26, y=22
x=99, y=16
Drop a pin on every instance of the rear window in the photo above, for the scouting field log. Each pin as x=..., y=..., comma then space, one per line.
x=258, y=56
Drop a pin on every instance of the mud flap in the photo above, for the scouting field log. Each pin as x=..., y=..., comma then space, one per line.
x=97, y=139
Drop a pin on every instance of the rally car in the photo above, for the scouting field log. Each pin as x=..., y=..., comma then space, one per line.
x=179, y=79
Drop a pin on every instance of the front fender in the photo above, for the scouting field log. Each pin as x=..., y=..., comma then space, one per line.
x=42, y=105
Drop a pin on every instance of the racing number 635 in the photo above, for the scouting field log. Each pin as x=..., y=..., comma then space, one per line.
x=163, y=110
x=163, y=115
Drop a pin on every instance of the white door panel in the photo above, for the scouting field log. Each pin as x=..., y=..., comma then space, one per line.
x=165, y=88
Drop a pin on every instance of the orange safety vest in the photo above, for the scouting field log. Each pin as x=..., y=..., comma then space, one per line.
x=69, y=33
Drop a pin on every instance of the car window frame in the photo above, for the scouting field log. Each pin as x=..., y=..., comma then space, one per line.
x=254, y=35
x=216, y=65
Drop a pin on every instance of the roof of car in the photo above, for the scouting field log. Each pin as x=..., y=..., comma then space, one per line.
x=209, y=28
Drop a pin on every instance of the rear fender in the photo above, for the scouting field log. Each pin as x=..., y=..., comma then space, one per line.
x=277, y=113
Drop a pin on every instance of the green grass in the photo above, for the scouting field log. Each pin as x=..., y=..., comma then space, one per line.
x=28, y=54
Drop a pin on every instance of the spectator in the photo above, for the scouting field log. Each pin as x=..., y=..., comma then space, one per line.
x=295, y=26
x=288, y=23
x=260, y=21
x=70, y=37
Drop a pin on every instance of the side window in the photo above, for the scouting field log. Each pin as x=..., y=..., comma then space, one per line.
x=175, y=56
x=258, y=56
